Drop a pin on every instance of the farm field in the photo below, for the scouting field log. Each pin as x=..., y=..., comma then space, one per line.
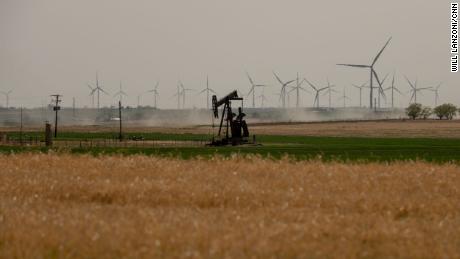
x=60, y=206
x=273, y=146
x=384, y=128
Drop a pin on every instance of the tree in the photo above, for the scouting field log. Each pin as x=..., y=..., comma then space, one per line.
x=426, y=112
x=446, y=110
x=414, y=110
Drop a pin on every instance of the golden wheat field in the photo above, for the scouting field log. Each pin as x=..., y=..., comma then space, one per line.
x=68, y=206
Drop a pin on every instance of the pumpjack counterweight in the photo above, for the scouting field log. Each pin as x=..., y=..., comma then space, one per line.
x=233, y=129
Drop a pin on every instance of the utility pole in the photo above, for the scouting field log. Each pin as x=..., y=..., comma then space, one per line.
x=120, y=135
x=73, y=106
x=20, y=131
x=56, y=108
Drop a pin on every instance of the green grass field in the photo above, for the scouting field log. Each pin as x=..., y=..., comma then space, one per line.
x=274, y=146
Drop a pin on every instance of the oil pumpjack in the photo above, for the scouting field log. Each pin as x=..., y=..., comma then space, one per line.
x=235, y=129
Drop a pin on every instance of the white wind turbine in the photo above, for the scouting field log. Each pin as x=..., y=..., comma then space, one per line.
x=372, y=73
x=284, y=86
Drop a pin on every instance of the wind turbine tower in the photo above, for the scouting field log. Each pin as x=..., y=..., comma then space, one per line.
x=436, y=94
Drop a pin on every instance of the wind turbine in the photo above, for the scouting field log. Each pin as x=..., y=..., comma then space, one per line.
x=393, y=89
x=155, y=94
x=263, y=98
x=318, y=91
x=7, y=96
x=207, y=90
x=329, y=92
x=139, y=99
x=91, y=93
x=97, y=89
x=253, y=90
x=178, y=94
x=344, y=97
x=120, y=93
x=284, y=85
x=415, y=89
x=360, y=87
x=297, y=88
x=372, y=72
x=436, y=94
x=183, y=93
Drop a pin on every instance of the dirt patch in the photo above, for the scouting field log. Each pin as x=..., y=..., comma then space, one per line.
x=392, y=128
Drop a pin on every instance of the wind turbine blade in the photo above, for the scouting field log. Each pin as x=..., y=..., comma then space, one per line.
x=202, y=91
x=424, y=88
x=102, y=90
x=352, y=65
x=397, y=90
x=384, y=79
x=250, y=91
x=289, y=82
x=250, y=79
x=380, y=53
x=305, y=90
x=379, y=82
x=277, y=78
x=411, y=85
x=311, y=85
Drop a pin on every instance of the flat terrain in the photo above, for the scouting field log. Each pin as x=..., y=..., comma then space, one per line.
x=188, y=145
x=60, y=206
x=390, y=128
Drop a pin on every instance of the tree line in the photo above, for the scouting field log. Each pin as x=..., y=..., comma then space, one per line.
x=444, y=111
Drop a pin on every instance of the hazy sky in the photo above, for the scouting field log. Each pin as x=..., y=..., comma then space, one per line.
x=56, y=46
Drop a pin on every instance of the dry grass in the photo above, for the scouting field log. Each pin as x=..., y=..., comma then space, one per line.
x=147, y=207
